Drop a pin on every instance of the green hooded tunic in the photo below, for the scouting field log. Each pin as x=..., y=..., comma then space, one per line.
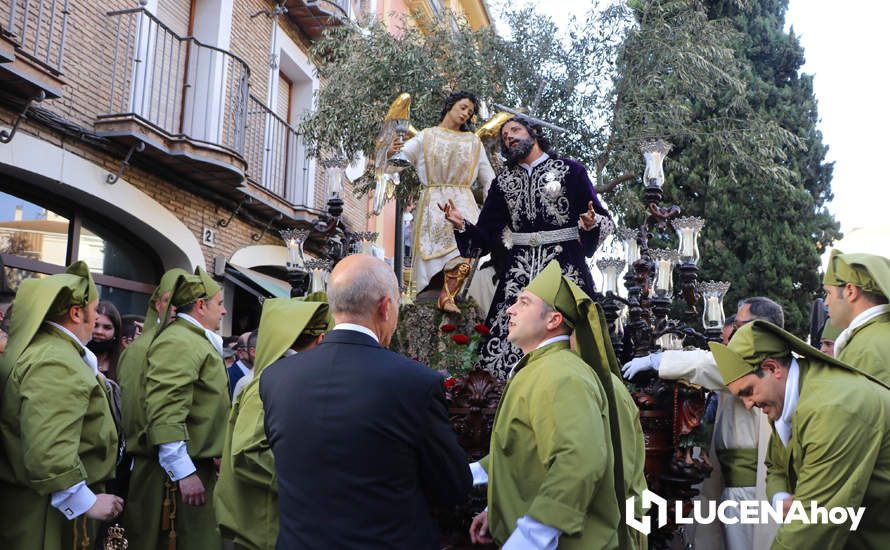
x=838, y=452
x=868, y=348
x=838, y=455
x=131, y=372
x=56, y=424
x=551, y=457
x=246, y=496
x=633, y=455
x=186, y=399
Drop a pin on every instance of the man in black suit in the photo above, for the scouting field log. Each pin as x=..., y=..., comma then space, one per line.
x=360, y=435
x=245, y=350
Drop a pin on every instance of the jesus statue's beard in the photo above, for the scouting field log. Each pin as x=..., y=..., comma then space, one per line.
x=519, y=150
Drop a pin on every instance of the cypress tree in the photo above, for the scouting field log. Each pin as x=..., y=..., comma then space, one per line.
x=763, y=233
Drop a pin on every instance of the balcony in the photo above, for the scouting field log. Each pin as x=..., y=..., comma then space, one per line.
x=314, y=16
x=278, y=164
x=186, y=101
x=32, y=47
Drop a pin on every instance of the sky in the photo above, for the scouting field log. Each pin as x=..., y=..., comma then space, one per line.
x=845, y=47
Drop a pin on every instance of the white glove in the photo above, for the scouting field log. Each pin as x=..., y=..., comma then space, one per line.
x=641, y=364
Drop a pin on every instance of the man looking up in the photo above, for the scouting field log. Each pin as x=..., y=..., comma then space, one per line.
x=857, y=287
x=59, y=441
x=551, y=468
x=361, y=437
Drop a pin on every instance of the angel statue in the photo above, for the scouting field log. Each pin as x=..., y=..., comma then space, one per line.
x=396, y=126
x=448, y=159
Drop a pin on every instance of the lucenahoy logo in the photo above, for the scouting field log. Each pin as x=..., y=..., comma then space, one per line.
x=747, y=512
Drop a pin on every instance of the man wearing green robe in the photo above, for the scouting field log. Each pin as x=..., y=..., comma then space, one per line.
x=828, y=337
x=186, y=403
x=553, y=478
x=134, y=362
x=59, y=441
x=132, y=369
x=857, y=287
x=633, y=454
x=246, y=497
x=831, y=433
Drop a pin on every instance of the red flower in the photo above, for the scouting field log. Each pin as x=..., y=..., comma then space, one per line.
x=448, y=328
x=449, y=382
x=482, y=329
x=461, y=339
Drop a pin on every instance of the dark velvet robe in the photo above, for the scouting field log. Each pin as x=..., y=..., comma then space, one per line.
x=518, y=203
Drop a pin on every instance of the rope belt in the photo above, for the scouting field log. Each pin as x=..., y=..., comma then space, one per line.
x=539, y=238
x=168, y=514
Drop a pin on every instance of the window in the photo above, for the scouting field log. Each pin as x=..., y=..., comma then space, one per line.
x=37, y=240
x=292, y=84
x=31, y=231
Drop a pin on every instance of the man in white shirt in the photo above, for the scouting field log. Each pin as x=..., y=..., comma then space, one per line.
x=738, y=432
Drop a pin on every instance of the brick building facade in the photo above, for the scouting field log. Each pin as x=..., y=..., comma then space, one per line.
x=167, y=137
x=204, y=96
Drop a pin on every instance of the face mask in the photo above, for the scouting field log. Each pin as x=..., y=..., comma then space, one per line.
x=100, y=347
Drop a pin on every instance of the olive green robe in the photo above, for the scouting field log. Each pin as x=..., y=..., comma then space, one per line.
x=147, y=478
x=246, y=500
x=131, y=376
x=868, y=348
x=633, y=454
x=186, y=399
x=838, y=454
x=131, y=371
x=57, y=430
x=776, y=467
x=551, y=455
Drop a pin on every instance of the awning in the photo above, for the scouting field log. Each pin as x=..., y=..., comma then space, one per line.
x=260, y=285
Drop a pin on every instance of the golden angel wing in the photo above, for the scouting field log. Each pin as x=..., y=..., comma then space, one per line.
x=400, y=108
x=398, y=113
x=492, y=126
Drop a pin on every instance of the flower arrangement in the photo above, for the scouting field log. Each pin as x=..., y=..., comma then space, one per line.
x=460, y=352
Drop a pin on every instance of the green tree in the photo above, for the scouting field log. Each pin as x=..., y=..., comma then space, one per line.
x=575, y=79
x=765, y=231
x=728, y=95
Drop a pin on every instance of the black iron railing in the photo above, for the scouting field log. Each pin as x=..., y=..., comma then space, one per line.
x=179, y=85
x=38, y=28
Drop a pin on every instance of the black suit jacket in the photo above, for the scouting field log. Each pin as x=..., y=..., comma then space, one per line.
x=362, y=446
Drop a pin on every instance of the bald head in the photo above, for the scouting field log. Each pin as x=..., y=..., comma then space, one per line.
x=357, y=285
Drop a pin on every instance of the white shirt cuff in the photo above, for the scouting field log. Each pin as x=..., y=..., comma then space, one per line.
x=479, y=475
x=780, y=496
x=532, y=535
x=73, y=501
x=174, y=459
